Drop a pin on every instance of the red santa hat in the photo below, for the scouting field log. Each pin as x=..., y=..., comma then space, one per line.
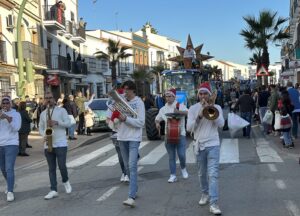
x=205, y=87
x=171, y=91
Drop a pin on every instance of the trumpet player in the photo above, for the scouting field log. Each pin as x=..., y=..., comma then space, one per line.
x=10, y=123
x=206, y=147
x=56, y=118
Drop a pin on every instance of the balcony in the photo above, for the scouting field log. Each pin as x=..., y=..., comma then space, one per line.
x=3, y=51
x=54, y=18
x=58, y=64
x=79, y=68
x=69, y=30
x=34, y=53
x=79, y=34
x=96, y=66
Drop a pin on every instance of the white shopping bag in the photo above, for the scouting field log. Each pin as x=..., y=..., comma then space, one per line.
x=268, y=118
x=235, y=123
x=277, y=124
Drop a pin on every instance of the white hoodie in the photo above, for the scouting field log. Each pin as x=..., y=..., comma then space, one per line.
x=9, y=132
x=132, y=128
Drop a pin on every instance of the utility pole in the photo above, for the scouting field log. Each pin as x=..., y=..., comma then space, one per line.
x=21, y=83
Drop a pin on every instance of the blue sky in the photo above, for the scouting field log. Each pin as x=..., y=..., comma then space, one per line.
x=216, y=23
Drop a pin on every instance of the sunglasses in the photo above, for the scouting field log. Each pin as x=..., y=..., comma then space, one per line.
x=5, y=103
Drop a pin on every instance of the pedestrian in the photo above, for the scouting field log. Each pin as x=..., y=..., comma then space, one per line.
x=206, y=147
x=24, y=130
x=172, y=106
x=89, y=120
x=129, y=137
x=57, y=118
x=79, y=101
x=10, y=123
x=273, y=104
x=262, y=102
x=72, y=110
x=294, y=96
x=246, y=105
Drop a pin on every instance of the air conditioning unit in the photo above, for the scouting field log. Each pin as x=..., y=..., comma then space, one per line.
x=10, y=21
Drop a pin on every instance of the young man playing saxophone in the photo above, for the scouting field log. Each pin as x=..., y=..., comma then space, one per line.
x=206, y=147
x=58, y=120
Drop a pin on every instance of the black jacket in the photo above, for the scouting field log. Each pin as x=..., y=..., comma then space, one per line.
x=246, y=103
x=26, y=120
x=263, y=98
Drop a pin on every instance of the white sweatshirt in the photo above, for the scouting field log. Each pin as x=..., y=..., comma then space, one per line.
x=132, y=128
x=161, y=116
x=205, y=131
x=9, y=132
x=59, y=131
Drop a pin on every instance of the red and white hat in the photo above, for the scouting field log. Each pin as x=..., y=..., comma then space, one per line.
x=205, y=87
x=171, y=91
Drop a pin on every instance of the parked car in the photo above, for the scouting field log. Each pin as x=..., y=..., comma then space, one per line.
x=99, y=107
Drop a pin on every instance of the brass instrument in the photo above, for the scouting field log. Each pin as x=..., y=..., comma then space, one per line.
x=117, y=102
x=49, y=132
x=210, y=112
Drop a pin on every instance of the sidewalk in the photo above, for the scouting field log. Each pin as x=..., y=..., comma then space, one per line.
x=37, y=151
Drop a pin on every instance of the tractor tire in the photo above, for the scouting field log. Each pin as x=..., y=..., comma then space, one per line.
x=151, y=130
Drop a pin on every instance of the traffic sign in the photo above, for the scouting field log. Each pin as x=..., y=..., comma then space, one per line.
x=262, y=71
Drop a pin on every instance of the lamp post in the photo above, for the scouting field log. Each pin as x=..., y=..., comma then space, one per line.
x=21, y=84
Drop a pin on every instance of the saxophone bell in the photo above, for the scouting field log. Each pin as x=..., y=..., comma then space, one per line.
x=49, y=132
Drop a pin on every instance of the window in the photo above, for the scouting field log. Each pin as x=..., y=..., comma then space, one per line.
x=99, y=90
x=4, y=86
x=72, y=16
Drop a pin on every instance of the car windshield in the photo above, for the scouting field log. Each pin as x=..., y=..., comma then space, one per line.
x=98, y=105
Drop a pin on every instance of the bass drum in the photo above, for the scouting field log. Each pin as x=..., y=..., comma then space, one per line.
x=152, y=132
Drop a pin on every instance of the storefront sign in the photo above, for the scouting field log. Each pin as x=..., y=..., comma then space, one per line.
x=53, y=80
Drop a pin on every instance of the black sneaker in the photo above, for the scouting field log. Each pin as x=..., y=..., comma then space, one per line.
x=24, y=155
x=28, y=146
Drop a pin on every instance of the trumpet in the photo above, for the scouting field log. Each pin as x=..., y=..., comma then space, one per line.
x=49, y=132
x=210, y=112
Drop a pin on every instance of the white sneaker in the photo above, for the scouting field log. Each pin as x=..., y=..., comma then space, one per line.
x=184, y=173
x=129, y=202
x=172, y=179
x=214, y=208
x=126, y=178
x=122, y=179
x=5, y=191
x=281, y=137
x=51, y=195
x=204, y=199
x=10, y=196
x=68, y=187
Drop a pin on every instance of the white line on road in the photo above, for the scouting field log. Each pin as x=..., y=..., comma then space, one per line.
x=280, y=184
x=36, y=165
x=272, y=167
x=108, y=193
x=154, y=156
x=87, y=157
x=229, y=152
x=292, y=208
x=266, y=153
x=140, y=168
x=190, y=155
x=113, y=160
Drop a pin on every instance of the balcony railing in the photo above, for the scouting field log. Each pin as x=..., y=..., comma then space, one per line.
x=96, y=65
x=79, y=67
x=54, y=13
x=80, y=32
x=3, y=51
x=33, y=52
x=69, y=28
x=58, y=62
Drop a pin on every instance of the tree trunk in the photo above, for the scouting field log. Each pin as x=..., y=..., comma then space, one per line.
x=113, y=73
x=265, y=60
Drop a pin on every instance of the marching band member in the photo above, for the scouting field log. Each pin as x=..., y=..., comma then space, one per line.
x=129, y=137
x=10, y=123
x=56, y=118
x=206, y=147
x=172, y=106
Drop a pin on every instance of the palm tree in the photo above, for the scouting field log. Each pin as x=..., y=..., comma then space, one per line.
x=156, y=70
x=153, y=30
x=261, y=31
x=142, y=79
x=115, y=52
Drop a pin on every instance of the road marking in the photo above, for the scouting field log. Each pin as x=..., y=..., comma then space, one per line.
x=88, y=157
x=229, y=152
x=189, y=155
x=108, y=194
x=292, y=208
x=113, y=160
x=36, y=165
x=280, y=184
x=154, y=156
x=266, y=153
x=140, y=168
x=272, y=167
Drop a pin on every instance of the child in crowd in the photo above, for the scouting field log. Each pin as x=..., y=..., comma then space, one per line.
x=89, y=120
x=286, y=124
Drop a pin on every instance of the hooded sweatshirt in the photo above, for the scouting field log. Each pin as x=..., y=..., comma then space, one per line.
x=132, y=128
x=9, y=132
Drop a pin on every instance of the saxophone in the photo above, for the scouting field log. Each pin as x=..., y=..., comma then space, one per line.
x=49, y=132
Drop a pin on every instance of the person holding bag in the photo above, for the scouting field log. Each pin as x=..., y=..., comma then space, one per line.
x=179, y=146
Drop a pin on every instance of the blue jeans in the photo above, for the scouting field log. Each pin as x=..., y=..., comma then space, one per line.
x=262, y=112
x=121, y=162
x=129, y=151
x=247, y=116
x=71, y=131
x=287, y=138
x=8, y=155
x=180, y=148
x=59, y=153
x=295, y=124
x=208, y=171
